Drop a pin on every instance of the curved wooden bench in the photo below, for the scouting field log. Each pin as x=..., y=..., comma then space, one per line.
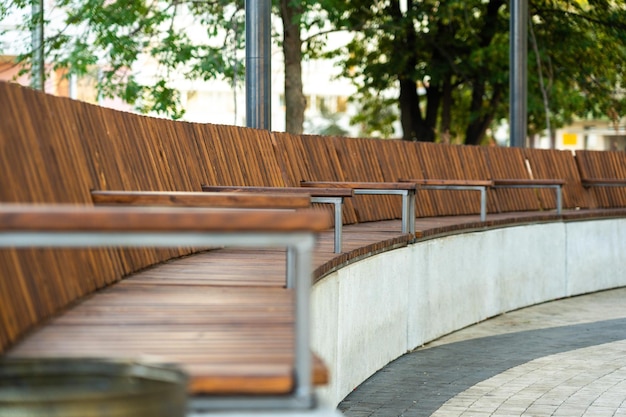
x=55, y=150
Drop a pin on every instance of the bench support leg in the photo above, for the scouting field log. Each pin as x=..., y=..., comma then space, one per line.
x=337, y=203
x=303, y=365
x=291, y=268
x=408, y=205
x=338, y=227
x=408, y=212
x=483, y=204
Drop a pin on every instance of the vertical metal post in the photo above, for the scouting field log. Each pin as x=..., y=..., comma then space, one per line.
x=338, y=226
x=290, y=281
x=38, y=69
x=258, y=68
x=483, y=204
x=518, y=56
x=559, y=199
x=302, y=360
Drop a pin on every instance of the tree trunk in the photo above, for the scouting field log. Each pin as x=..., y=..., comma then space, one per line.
x=446, y=110
x=480, y=120
x=409, y=110
x=414, y=123
x=295, y=103
x=433, y=102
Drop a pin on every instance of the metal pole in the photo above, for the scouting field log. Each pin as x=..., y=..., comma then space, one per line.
x=518, y=56
x=258, y=68
x=37, y=69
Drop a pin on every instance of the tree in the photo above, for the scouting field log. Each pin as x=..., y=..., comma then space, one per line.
x=192, y=39
x=448, y=61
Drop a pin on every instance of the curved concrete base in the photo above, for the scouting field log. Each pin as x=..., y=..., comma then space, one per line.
x=375, y=310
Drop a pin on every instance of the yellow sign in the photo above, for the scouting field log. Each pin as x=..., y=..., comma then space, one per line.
x=570, y=139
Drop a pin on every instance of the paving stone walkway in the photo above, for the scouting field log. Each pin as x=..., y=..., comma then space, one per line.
x=565, y=358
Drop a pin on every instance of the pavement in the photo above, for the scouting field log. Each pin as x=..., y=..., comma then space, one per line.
x=564, y=358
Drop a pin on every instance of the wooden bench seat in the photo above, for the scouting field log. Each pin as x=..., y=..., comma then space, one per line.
x=483, y=185
x=406, y=190
x=449, y=182
x=334, y=196
x=556, y=184
x=454, y=184
x=603, y=182
x=201, y=199
x=229, y=340
x=235, y=341
x=313, y=192
x=232, y=200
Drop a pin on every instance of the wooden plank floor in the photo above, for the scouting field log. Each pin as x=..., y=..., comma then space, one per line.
x=223, y=315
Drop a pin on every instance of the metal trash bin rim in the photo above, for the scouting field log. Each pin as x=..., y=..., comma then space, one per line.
x=90, y=387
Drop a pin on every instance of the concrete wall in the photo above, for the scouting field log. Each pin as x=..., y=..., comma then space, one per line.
x=373, y=311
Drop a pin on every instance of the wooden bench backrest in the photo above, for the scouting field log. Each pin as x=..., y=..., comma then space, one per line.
x=510, y=163
x=306, y=158
x=603, y=165
x=243, y=156
x=401, y=159
x=455, y=162
x=557, y=164
x=358, y=160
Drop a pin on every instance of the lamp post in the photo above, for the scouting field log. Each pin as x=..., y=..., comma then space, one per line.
x=518, y=56
x=37, y=69
x=258, y=68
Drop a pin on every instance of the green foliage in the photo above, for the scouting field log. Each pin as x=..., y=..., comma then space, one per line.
x=375, y=115
x=582, y=50
x=466, y=43
x=201, y=40
x=122, y=38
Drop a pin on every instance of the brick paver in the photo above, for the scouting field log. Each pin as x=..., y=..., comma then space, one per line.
x=564, y=358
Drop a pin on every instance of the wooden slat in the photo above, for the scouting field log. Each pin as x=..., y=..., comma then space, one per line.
x=476, y=183
x=244, y=156
x=528, y=182
x=272, y=200
x=360, y=185
x=604, y=182
x=313, y=192
x=80, y=218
